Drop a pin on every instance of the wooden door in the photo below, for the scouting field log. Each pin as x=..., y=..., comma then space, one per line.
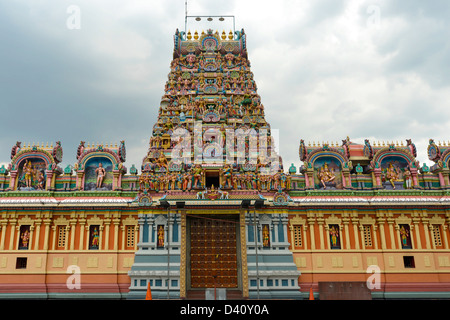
x=213, y=253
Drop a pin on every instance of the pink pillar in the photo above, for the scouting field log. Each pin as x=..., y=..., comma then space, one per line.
x=49, y=179
x=414, y=176
x=377, y=172
x=441, y=179
x=12, y=181
x=344, y=183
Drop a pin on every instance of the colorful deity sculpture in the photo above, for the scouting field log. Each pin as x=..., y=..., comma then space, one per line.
x=101, y=172
x=392, y=174
x=326, y=175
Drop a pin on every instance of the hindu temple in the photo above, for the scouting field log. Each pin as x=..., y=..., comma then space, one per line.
x=213, y=211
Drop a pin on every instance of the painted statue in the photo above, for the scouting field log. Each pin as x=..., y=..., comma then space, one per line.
x=334, y=236
x=101, y=172
x=408, y=179
x=95, y=238
x=28, y=173
x=392, y=174
x=40, y=180
x=160, y=236
x=198, y=175
x=266, y=236
x=227, y=176
x=326, y=175
x=404, y=235
x=25, y=238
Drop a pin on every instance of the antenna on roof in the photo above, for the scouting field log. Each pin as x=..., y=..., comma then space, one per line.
x=209, y=19
x=185, y=15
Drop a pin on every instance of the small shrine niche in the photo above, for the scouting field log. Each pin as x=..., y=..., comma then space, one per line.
x=394, y=168
x=334, y=234
x=405, y=236
x=160, y=236
x=165, y=141
x=94, y=237
x=327, y=173
x=24, y=237
x=100, y=167
x=34, y=167
x=266, y=236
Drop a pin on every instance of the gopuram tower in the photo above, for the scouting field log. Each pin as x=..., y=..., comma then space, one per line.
x=209, y=172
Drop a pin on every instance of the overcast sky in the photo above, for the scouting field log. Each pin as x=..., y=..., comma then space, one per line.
x=325, y=70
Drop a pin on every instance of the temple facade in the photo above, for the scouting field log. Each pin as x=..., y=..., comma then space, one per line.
x=212, y=210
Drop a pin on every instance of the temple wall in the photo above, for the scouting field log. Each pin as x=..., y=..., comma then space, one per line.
x=53, y=255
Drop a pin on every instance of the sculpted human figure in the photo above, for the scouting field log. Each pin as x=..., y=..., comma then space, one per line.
x=392, y=174
x=25, y=236
x=227, y=176
x=160, y=236
x=142, y=179
x=407, y=175
x=162, y=161
x=101, y=172
x=198, y=174
x=28, y=173
x=325, y=175
x=40, y=180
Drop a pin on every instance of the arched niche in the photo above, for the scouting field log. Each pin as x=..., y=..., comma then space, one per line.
x=394, y=169
x=92, y=167
x=328, y=169
x=33, y=169
x=31, y=174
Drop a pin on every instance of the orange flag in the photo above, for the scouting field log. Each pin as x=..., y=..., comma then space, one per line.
x=148, y=296
x=311, y=295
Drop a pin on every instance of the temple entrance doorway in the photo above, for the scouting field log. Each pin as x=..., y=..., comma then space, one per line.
x=212, y=178
x=214, y=254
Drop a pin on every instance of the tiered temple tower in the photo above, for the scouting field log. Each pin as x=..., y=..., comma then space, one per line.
x=211, y=131
x=212, y=142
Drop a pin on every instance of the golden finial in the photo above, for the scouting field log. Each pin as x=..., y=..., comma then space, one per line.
x=224, y=36
x=195, y=35
x=230, y=35
x=189, y=35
